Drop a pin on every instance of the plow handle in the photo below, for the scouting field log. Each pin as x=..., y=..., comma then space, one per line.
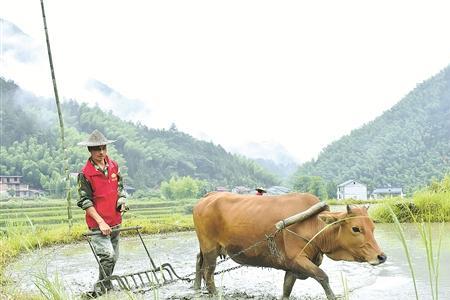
x=114, y=230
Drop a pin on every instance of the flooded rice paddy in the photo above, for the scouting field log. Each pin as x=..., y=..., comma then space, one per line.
x=75, y=266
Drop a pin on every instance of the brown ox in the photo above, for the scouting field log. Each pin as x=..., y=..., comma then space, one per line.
x=236, y=224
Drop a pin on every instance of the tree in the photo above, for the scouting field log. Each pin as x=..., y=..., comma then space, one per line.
x=311, y=184
x=182, y=188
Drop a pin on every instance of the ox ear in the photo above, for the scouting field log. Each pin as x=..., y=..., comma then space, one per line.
x=328, y=217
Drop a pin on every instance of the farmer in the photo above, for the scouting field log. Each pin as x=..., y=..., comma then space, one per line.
x=100, y=187
x=260, y=191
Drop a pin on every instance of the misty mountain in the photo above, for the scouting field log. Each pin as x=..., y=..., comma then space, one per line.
x=17, y=45
x=407, y=146
x=272, y=156
x=282, y=170
x=30, y=146
x=124, y=107
x=21, y=52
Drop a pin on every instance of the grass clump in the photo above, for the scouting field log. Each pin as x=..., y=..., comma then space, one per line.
x=425, y=206
x=432, y=241
x=350, y=201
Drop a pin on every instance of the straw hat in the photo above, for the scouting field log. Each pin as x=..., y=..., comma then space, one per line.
x=96, y=139
x=261, y=190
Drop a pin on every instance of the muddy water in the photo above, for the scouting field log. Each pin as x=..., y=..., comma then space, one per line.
x=75, y=266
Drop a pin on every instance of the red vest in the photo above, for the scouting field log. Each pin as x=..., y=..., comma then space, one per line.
x=104, y=193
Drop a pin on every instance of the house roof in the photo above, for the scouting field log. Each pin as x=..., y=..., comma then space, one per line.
x=10, y=176
x=222, y=189
x=387, y=191
x=278, y=190
x=350, y=181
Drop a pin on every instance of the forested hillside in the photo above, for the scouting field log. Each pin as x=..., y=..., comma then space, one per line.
x=30, y=146
x=405, y=147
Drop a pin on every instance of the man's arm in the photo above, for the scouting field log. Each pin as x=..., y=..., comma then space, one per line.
x=85, y=192
x=120, y=192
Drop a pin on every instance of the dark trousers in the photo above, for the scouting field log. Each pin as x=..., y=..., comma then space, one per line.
x=107, y=249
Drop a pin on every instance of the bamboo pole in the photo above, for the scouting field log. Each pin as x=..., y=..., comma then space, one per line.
x=61, y=121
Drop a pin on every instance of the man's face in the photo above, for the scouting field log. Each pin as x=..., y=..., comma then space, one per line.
x=98, y=153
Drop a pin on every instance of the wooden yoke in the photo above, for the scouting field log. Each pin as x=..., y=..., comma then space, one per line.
x=313, y=210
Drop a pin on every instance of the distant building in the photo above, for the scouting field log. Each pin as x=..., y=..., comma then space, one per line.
x=11, y=186
x=129, y=190
x=241, y=190
x=278, y=190
x=380, y=193
x=222, y=189
x=352, y=189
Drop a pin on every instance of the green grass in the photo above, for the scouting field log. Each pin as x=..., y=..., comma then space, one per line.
x=424, y=207
x=51, y=289
x=351, y=201
x=432, y=242
x=20, y=212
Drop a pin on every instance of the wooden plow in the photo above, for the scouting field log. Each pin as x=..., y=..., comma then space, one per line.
x=141, y=281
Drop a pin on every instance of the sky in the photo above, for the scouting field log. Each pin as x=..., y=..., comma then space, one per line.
x=292, y=74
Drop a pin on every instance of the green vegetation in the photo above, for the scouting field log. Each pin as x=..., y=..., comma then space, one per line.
x=352, y=201
x=311, y=184
x=30, y=147
x=431, y=204
x=432, y=242
x=185, y=187
x=47, y=213
x=405, y=147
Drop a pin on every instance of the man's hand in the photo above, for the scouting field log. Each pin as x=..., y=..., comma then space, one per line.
x=104, y=228
x=122, y=208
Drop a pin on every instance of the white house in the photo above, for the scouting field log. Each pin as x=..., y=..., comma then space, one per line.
x=11, y=184
x=352, y=189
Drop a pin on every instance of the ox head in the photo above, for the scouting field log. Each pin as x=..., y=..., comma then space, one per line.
x=354, y=240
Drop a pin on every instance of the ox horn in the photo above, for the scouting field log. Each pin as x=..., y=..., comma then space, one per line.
x=349, y=209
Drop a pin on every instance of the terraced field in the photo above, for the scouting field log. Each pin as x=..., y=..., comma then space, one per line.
x=49, y=212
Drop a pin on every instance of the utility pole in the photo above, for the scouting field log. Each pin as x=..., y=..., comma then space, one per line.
x=61, y=122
